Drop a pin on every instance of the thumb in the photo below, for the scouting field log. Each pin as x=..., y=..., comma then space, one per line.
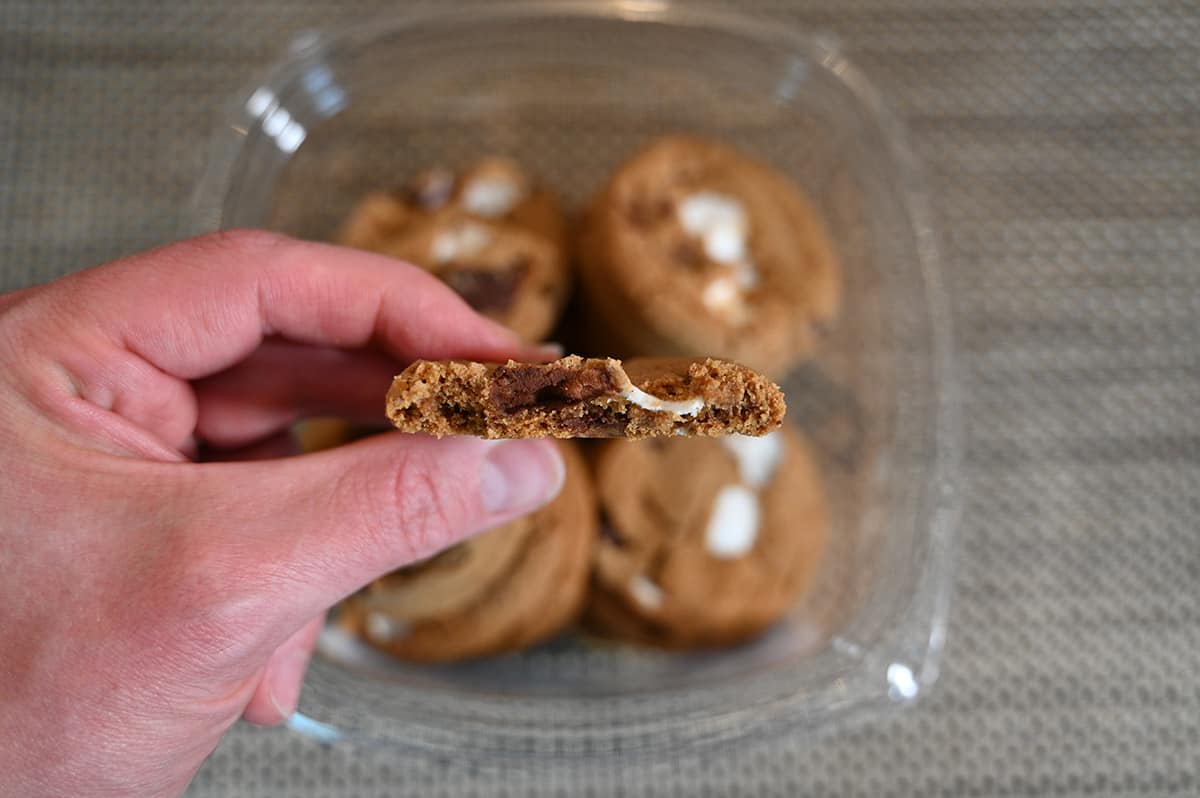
x=279, y=541
x=278, y=691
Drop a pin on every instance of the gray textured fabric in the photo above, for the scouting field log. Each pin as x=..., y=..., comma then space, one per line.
x=1062, y=143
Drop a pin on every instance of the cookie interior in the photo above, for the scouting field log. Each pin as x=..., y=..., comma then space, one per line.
x=584, y=398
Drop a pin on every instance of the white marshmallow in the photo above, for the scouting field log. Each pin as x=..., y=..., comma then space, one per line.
x=491, y=196
x=720, y=222
x=720, y=294
x=706, y=210
x=724, y=298
x=460, y=241
x=757, y=458
x=725, y=243
x=645, y=592
x=383, y=628
x=733, y=525
x=682, y=407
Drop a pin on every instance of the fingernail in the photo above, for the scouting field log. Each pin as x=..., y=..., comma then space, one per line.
x=520, y=476
x=287, y=680
x=547, y=351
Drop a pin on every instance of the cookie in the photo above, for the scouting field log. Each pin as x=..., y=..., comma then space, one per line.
x=499, y=591
x=492, y=234
x=704, y=542
x=576, y=397
x=318, y=434
x=694, y=249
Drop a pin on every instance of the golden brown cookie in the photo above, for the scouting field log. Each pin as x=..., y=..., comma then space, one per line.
x=317, y=434
x=502, y=590
x=491, y=233
x=704, y=542
x=576, y=397
x=695, y=249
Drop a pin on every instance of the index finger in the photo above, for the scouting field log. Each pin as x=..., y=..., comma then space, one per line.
x=196, y=307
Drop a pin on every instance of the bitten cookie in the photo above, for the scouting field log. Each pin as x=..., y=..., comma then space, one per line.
x=577, y=397
x=491, y=233
x=695, y=249
x=502, y=590
x=704, y=542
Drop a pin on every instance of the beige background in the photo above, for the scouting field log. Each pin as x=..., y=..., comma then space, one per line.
x=1063, y=148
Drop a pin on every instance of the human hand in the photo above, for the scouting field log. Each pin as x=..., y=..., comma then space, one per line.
x=148, y=601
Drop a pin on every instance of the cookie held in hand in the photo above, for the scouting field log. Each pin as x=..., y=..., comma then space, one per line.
x=577, y=397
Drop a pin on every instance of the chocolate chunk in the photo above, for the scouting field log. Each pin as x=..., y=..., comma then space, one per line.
x=610, y=533
x=645, y=212
x=431, y=189
x=523, y=385
x=688, y=253
x=593, y=424
x=486, y=290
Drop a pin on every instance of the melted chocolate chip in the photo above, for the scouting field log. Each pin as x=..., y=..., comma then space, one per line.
x=688, y=253
x=486, y=290
x=610, y=533
x=645, y=212
x=593, y=424
x=524, y=385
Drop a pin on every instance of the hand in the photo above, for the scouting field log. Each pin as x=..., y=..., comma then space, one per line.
x=147, y=601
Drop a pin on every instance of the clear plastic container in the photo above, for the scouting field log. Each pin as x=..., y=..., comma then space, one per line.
x=572, y=88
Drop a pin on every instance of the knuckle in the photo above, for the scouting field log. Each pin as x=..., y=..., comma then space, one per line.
x=208, y=622
x=416, y=510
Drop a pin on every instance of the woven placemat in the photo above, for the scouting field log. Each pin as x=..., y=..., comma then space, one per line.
x=1062, y=144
